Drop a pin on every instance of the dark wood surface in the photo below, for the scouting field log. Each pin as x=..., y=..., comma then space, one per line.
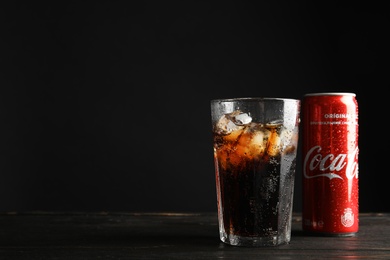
x=43, y=235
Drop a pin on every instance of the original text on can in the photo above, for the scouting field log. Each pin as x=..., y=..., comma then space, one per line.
x=330, y=164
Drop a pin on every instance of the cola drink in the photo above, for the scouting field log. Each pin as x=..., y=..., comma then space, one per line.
x=255, y=168
x=330, y=164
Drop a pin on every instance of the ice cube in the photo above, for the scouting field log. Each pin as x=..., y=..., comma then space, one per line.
x=253, y=141
x=225, y=126
x=234, y=135
x=240, y=118
x=258, y=143
x=232, y=122
x=227, y=156
x=274, y=143
x=275, y=123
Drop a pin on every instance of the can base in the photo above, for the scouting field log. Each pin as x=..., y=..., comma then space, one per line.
x=327, y=234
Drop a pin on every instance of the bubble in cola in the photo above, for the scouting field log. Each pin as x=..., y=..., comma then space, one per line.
x=253, y=161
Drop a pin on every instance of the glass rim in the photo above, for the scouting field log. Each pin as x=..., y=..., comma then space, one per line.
x=254, y=99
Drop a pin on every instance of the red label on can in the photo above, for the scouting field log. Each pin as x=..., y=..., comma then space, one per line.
x=330, y=163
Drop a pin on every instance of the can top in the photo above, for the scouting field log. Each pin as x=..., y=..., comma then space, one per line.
x=331, y=94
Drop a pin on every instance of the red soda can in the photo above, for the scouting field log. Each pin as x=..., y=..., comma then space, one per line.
x=330, y=164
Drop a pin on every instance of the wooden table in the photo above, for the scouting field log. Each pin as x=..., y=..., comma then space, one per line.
x=44, y=235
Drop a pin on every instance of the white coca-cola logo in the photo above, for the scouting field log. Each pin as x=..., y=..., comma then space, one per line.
x=329, y=165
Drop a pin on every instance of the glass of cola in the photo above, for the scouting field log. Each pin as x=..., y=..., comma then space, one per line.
x=255, y=146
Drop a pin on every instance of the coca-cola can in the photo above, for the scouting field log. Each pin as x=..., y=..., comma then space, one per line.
x=330, y=164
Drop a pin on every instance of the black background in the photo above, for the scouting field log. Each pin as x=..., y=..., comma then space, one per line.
x=105, y=106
